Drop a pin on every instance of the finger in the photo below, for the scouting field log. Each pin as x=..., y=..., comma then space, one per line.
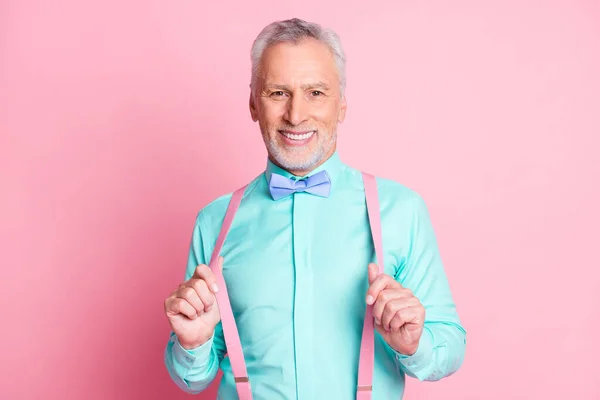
x=380, y=283
x=205, y=295
x=405, y=316
x=384, y=297
x=181, y=306
x=396, y=323
x=189, y=294
x=394, y=307
x=373, y=272
x=203, y=272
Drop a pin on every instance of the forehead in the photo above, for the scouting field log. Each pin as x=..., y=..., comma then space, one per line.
x=307, y=60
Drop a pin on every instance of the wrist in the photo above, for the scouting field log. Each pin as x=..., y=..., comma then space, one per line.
x=406, y=351
x=194, y=344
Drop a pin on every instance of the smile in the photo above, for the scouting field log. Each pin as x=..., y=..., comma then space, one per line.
x=297, y=135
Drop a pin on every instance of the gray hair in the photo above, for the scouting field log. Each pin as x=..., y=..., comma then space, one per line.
x=294, y=31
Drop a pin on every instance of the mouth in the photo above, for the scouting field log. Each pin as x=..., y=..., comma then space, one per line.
x=297, y=137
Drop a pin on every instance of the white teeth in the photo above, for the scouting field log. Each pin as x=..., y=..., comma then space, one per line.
x=298, y=137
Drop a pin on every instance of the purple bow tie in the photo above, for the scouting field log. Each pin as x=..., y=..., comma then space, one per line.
x=318, y=184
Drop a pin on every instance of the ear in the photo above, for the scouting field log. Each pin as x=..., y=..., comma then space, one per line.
x=343, y=107
x=252, y=105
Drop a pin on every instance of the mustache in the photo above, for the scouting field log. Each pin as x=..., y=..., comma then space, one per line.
x=296, y=128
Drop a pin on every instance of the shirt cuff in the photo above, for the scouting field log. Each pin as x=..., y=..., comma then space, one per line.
x=421, y=359
x=193, y=357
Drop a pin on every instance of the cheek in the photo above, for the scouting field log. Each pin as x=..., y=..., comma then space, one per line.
x=326, y=114
x=271, y=109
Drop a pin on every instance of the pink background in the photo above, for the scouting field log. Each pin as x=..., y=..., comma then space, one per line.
x=120, y=120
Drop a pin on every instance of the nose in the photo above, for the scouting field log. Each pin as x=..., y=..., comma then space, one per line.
x=296, y=111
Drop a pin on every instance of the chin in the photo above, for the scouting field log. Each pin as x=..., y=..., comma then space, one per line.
x=294, y=161
x=297, y=158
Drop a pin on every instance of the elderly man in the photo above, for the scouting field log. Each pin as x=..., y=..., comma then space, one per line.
x=314, y=281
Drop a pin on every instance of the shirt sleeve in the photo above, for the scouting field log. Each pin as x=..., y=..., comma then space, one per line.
x=442, y=345
x=194, y=370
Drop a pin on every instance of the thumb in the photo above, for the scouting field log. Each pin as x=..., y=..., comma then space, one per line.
x=373, y=271
x=220, y=263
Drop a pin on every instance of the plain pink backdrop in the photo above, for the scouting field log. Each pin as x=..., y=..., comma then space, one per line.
x=119, y=120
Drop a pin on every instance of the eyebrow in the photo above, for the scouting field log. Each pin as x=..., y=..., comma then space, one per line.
x=306, y=86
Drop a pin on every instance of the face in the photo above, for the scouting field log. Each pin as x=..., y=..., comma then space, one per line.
x=297, y=104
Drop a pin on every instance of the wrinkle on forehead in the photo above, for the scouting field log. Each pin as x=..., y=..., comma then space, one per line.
x=307, y=64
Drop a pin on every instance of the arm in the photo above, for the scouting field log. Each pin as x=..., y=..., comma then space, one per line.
x=442, y=344
x=194, y=370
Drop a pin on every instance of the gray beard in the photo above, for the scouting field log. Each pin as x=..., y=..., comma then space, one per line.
x=305, y=165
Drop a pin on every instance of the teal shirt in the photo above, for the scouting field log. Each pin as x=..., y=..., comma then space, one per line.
x=296, y=273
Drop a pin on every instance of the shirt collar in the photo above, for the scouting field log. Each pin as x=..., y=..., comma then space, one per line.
x=333, y=166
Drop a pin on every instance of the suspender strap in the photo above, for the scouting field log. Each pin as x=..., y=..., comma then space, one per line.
x=367, y=347
x=230, y=332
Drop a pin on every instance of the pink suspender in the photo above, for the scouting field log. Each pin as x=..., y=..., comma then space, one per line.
x=367, y=346
x=230, y=332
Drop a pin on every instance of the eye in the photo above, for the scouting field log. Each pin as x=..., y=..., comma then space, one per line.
x=278, y=93
x=316, y=93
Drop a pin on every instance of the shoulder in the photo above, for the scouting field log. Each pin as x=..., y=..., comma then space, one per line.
x=390, y=192
x=211, y=216
x=397, y=201
x=400, y=203
x=396, y=192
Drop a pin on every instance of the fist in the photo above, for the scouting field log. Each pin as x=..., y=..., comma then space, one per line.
x=399, y=315
x=192, y=308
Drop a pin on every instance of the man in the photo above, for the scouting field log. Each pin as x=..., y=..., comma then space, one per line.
x=299, y=268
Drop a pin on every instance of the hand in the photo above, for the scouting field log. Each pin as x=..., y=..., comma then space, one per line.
x=192, y=309
x=399, y=315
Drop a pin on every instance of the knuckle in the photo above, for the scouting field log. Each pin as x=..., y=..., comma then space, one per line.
x=199, y=285
x=188, y=291
x=385, y=295
x=404, y=289
x=389, y=307
x=175, y=305
x=398, y=318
